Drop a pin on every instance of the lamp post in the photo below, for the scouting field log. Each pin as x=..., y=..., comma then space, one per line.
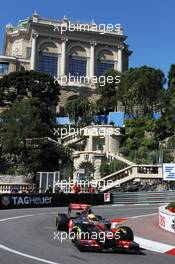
x=160, y=153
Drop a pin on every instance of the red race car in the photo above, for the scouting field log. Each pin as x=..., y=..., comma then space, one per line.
x=76, y=213
x=90, y=232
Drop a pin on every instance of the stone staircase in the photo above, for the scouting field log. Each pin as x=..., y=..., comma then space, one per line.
x=67, y=140
x=73, y=137
x=70, y=139
x=112, y=156
x=130, y=173
x=36, y=141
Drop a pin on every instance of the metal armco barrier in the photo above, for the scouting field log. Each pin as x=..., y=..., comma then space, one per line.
x=143, y=197
x=12, y=201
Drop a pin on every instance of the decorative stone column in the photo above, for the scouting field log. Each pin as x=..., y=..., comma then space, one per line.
x=63, y=56
x=116, y=65
x=106, y=149
x=59, y=66
x=33, y=52
x=90, y=143
x=92, y=58
x=120, y=58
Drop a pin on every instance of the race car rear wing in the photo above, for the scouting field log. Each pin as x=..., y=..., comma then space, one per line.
x=76, y=206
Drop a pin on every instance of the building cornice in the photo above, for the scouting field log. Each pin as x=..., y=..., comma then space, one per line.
x=13, y=58
x=51, y=24
x=8, y=58
x=77, y=39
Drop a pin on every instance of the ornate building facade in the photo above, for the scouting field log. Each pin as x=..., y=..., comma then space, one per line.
x=66, y=50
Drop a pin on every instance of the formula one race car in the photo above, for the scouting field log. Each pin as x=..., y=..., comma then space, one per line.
x=92, y=232
x=77, y=213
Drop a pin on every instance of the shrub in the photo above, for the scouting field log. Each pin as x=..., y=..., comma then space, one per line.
x=171, y=207
x=104, y=169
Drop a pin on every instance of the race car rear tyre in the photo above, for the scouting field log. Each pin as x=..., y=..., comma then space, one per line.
x=62, y=222
x=125, y=233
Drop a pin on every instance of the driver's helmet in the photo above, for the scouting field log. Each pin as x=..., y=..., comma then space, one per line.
x=91, y=217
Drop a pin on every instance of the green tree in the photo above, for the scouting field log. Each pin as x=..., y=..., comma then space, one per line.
x=115, y=165
x=139, y=142
x=45, y=157
x=79, y=110
x=166, y=124
x=141, y=90
x=18, y=85
x=29, y=118
x=108, y=91
x=104, y=169
x=171, y=77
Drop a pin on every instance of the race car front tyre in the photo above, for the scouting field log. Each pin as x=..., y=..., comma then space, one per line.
x=79, y=246
x=62, y=222
x=125, y=233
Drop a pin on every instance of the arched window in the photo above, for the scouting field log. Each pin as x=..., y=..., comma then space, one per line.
x=104, y=62
x=48, y=59
x=77, y=62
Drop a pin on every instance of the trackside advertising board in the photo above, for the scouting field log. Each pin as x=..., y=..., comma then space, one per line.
x=169, y=171
x=8, y=201
x=107, y=197
x=26, y=201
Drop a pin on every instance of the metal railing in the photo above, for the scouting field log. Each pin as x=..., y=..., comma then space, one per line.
x=143, y=197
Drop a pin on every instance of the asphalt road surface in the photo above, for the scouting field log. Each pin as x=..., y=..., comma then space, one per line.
x=27, y=237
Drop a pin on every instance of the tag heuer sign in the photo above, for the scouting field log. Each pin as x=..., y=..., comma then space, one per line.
x=5, y=200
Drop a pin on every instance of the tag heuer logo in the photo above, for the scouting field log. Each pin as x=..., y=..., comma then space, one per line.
x=5, y=200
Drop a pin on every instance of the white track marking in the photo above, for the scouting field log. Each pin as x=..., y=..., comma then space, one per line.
x=26, y=255
x=145, y=243
x=21, y=216
x=139, y=216
x=146, y=204
x=16, y=217
x=131, y=208
x=135, y=205
x=21, y=253
x=117, y=205
x=153, y=245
